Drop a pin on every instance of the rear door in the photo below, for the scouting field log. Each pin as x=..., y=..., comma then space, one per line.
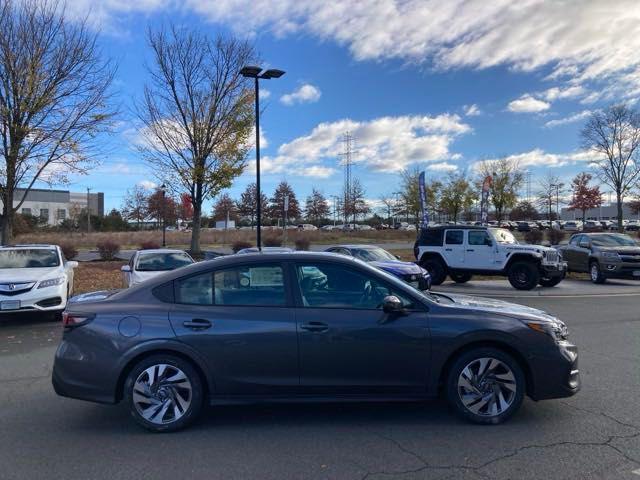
x=454, y=248
x=241, y=320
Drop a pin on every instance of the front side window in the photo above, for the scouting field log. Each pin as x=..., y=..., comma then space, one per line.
x=504, y=236
x=479, y=238
x=261, y=285
x=335, y=286
x=454, y=237
x=29, y=258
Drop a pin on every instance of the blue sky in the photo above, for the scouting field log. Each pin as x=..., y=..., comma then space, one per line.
x=427, y=83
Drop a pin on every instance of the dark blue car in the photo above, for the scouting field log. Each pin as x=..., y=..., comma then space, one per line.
x=410, y=272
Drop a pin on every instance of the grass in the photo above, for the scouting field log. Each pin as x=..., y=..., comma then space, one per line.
x=209, y=238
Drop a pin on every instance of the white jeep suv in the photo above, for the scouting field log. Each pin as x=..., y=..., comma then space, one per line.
x=461, y=251
x=34, y=278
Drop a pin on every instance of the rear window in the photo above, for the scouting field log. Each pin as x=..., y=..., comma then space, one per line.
x=430, y=237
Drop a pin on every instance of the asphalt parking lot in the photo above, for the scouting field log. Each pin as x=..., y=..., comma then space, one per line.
x=595, y=434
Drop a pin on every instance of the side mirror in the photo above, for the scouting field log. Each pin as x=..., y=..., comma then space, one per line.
x=391, y=304
x=125, y=269
x=72, y=264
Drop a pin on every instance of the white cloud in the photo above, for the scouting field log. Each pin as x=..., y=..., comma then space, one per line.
x=472, y=110
x=386, y=144
x=264, y=93
x=559, y=93
x=576, y=117
x=442, y=167
x=539, y=158
x=148, y=184
x=528, y=104
x=307, y=93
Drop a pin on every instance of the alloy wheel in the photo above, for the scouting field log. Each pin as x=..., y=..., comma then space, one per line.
x=487, y=387
x=162, y=394
x=595, y=273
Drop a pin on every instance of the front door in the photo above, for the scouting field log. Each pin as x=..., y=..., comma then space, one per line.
x=348, y=344
x=454, y=248
x=241, y=321
x=480, y=252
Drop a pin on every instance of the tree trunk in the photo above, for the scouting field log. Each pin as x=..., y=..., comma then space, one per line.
x=619, y=202
x=197, y=215
x=7, y=217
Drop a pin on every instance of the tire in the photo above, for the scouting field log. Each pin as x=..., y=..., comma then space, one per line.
x=485, y=386
x=160, y=406
x=436, y=269
x=523, y=275
x=595, y=273
x=460, y=277
x=550, y=282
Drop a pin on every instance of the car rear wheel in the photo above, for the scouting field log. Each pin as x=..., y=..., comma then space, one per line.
x=164, y=393
x=436, y=269
x=460, y=277
x=485, y=386
x=595, y=273
x=523, y=275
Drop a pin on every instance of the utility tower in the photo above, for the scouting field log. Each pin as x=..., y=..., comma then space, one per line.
x=347, y=162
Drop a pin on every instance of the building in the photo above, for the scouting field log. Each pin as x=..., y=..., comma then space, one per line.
x=608, y=211
x=57, y=205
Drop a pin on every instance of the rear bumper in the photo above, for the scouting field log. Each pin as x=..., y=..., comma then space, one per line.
x=556, y=374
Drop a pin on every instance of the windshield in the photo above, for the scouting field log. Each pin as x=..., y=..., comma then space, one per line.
x=373, y=254
x=613, y=241
x=158, y=262
x=503, y=236
x=29, y=258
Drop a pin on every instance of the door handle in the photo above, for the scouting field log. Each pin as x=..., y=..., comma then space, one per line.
x=315, y=327
x=470, y=250
x=448, y=249
x=197, y=324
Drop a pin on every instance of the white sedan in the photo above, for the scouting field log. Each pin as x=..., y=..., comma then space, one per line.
x=34, y=278
x=146, y=264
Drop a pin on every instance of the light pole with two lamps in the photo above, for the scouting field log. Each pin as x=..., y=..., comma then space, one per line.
x=256, y=73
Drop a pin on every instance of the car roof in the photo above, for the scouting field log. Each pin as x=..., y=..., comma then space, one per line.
x=459, y=227
x=160, y=250
x=30, y=245
x=364, y=246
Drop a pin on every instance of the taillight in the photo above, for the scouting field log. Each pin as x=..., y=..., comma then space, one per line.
x=72, y=320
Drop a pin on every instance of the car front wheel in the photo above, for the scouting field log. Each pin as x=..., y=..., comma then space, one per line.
x=460, y=277
x=523, y=275
x=164, y=393
x=595, y=273
x=485, y=386
x=436, y=269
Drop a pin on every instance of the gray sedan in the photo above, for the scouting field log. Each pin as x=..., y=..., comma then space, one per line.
x=260, y=327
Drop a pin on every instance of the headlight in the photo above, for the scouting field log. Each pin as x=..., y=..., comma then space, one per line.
x=556, y=329
x=51, y=282
x=610, y=255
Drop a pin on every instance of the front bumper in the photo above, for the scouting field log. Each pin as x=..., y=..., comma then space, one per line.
x=48, y=299
x=621, y=270
x=553, y=270
x=555, y=374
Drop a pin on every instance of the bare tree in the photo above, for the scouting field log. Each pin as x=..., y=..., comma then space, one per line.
x=54, y=99
x=457, y=195
x=410, y=193
x=197, y=114
x=316, y=207
x=613, y=135
x=135, y=205
x=551, y=190
x=507, y=178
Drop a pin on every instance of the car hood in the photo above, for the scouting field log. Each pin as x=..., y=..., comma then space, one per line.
x=398, y=267
x=139, y=276
x=497, y=306
x=28, y=274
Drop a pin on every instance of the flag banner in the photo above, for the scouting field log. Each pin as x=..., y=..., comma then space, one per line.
x=424, y=221
x=484, y=201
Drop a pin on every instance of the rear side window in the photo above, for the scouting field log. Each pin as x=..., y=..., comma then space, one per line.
x=454, y=237
x=430, y=237
x=259, y=285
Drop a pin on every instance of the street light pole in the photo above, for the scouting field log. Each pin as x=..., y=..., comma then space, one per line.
x=255, y=73
x=163, y=189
